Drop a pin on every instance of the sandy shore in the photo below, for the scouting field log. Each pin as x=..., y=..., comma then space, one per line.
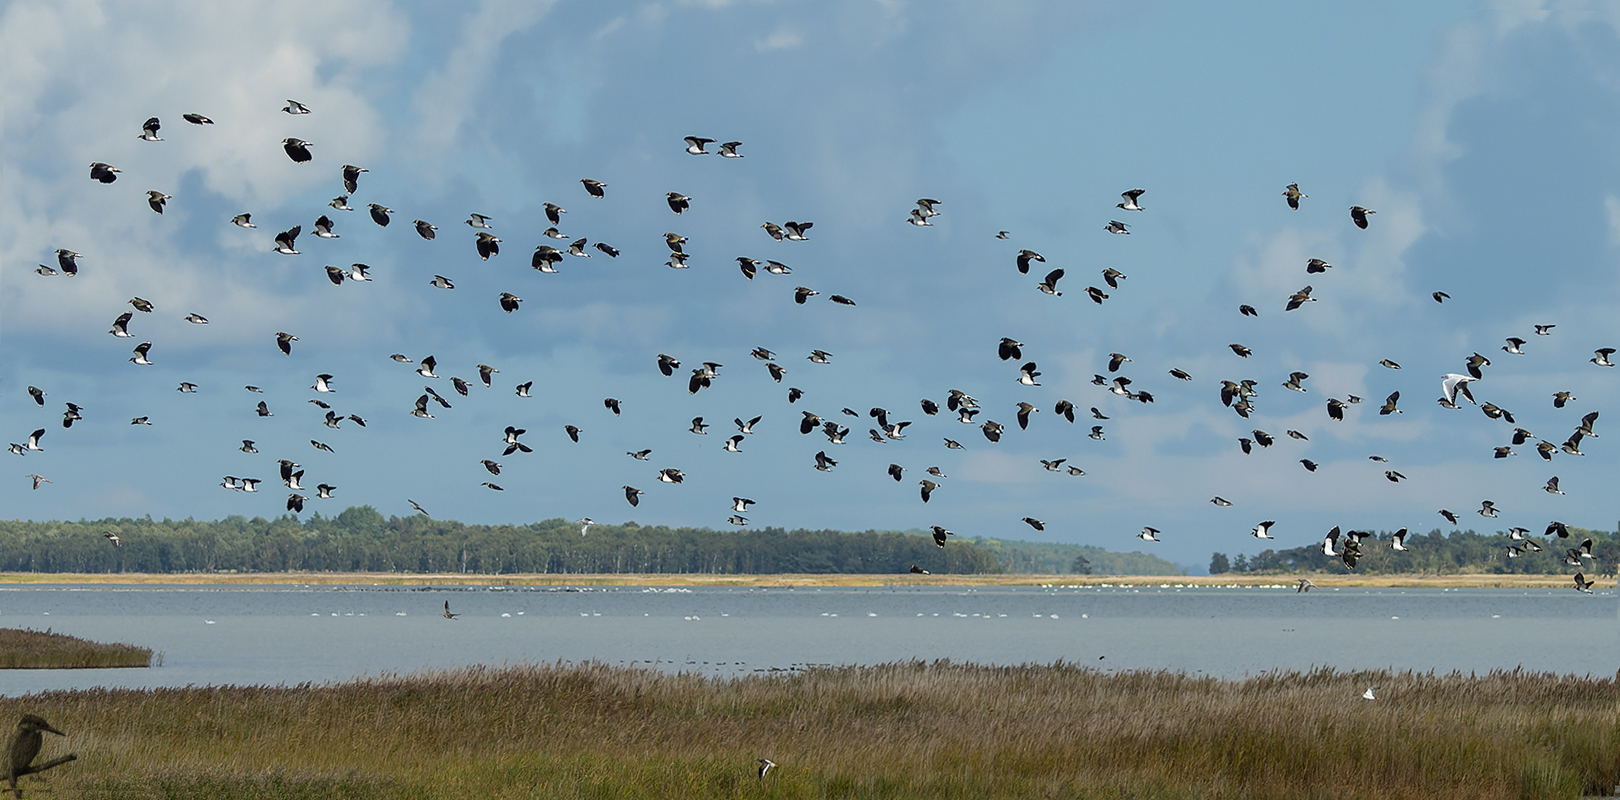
x=394, y=579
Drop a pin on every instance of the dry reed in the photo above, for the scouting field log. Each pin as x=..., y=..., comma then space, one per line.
x=905, y=730
x=30, y=649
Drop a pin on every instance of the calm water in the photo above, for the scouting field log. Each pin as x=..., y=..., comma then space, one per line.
x=293, y=634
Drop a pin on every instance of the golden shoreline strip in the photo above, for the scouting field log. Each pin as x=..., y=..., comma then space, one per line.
x=1398, y=580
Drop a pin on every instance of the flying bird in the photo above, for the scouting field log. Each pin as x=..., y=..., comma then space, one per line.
x=1293, y=194
x=297, y=149
x=285, y=240
x=1026, y=256
x=1358, y=215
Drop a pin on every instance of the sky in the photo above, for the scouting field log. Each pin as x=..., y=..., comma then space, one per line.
x=1480, y=134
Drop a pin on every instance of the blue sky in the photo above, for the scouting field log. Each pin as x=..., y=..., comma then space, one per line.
x=1480, y=135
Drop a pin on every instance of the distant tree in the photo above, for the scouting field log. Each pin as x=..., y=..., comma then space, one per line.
x=1081, y=566
x=1240, y=563
x=1218, y=564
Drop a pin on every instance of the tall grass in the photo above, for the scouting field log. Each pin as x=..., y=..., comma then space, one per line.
x=905, y=730
x=30, y=649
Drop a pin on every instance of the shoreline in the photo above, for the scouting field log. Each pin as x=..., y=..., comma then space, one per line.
x=1399, y=580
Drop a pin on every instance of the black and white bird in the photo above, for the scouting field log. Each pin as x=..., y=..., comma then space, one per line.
x=1358, y=215
x=1293, y=194
x=694, y=145
x=1149, y=535
x=1397, y=541
x=729, y=149
x=1263, y=530
x=487, y=245
x=157, y=200
x=1602, y=357
x=678, y=202
x=286, y=239
x=1026, y=256
x=511, y=441
x=106, y=173
x=297, y=149
x=1115, y=226
x=294, y=107
x=1049, y=284
x=351, y=177
x=379, y=214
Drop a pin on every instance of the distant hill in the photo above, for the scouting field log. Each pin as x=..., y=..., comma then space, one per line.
x=1047, y=558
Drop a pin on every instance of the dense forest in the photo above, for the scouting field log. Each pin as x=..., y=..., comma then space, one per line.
x=361, y=540
x=1055, y=558
x=1437, y=554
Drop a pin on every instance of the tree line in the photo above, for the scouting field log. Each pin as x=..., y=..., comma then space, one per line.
x=1435, y=553
x=362, y=540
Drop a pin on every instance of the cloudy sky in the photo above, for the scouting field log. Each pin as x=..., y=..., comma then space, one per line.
x=1482, y=137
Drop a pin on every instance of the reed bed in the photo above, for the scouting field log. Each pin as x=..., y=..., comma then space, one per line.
x=30, y=649
x=903, y=730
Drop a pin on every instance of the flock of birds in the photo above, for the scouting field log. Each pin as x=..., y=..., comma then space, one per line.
x=1238, y=395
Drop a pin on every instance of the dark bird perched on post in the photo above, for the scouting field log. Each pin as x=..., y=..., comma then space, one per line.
x=25, y=746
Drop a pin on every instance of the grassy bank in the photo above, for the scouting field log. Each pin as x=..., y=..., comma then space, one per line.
x=893, y=731
x=29, y=649
x=1407, y=580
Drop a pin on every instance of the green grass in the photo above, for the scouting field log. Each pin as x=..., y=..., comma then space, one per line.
x=908, y=730
x=30, y=649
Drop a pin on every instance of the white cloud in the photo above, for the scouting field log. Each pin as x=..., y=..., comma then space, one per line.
x=112, y=62
x=780, y=39
x=449, y=96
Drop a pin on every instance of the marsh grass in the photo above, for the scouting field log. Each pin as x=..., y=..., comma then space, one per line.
x=904, y=730
x=30, y=649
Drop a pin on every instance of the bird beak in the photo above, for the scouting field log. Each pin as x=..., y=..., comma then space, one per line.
x=52, y=730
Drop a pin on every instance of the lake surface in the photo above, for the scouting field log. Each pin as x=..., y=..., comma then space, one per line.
x=297, y=634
